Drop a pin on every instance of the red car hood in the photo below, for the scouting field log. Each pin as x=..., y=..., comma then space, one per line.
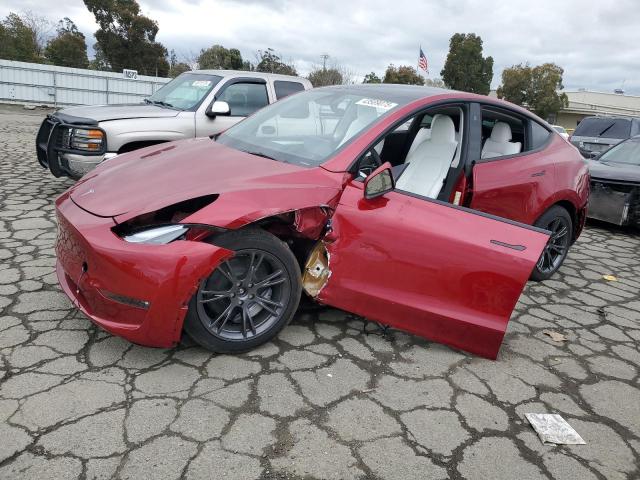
x=161, y=175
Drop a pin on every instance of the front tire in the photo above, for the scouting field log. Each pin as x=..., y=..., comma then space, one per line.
x=248, y=298
x=559, y=222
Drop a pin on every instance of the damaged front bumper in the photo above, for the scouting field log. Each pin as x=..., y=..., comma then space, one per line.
x=137, y=291
x=616, y=202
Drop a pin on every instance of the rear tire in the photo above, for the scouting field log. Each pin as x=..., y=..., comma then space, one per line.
x=247, y=299
x=559, y=222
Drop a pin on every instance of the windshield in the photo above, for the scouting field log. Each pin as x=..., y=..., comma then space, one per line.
x=307, y=128
x=626, y=152
x=604, y=128
x=184, y=92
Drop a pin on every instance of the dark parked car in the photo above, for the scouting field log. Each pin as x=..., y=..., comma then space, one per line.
x=594, y=135
x=615, y=184
x=419, y=208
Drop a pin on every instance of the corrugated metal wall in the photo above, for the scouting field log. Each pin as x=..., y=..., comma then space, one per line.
x=51, y=85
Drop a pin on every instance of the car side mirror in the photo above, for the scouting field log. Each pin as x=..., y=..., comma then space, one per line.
x=218, y=108
x=379, y=182
x=594, y=155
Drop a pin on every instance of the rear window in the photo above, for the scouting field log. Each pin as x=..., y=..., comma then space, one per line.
x=604, y=128
x=284, y=89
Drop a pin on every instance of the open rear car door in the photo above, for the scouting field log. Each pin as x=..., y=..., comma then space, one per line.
x=443, y=272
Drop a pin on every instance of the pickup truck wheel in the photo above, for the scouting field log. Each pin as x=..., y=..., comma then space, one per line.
x=248, y=298
x=558, y=221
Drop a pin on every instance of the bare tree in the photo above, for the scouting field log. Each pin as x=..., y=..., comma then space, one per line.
x=189, y=57
x=333, y=74
x=434, y=82
x=41, y=27
x=270, y=61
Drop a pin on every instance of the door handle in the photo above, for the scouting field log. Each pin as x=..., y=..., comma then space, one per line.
x=519, y=248
x=541, y=173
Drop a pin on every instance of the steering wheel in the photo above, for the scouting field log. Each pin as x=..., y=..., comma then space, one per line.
x=370, y=162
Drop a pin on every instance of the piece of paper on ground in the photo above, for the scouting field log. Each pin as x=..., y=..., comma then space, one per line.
x=552, y=428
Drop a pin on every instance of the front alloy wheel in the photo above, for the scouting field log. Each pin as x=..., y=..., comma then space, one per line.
x=244, y=296
x=558, y=221
x=248, y=298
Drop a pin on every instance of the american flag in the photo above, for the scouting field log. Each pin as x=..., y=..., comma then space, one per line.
x=422, y=61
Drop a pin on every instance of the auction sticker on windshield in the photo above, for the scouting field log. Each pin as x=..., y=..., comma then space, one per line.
x=201, y=83
x=374, y=102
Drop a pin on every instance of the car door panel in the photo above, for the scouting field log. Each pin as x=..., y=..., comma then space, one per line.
x=515, y=187
x=442, y=272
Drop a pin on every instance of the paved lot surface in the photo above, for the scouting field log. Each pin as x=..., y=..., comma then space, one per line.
x=323, y=401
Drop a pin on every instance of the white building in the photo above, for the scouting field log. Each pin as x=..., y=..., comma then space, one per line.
x=584, y=103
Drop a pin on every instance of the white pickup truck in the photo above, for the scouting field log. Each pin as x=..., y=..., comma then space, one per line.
x=72, y=141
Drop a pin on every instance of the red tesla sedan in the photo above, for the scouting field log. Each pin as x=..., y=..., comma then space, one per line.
x=422, y=209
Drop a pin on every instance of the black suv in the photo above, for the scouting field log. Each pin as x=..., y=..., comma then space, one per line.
x=594, y=135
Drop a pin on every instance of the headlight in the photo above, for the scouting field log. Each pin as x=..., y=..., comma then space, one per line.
x=157, y=235
x=89, y=140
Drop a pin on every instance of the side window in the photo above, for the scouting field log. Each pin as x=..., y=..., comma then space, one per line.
x=244, y=98
x=284, y=88
x=503, y=133
x=539, y=135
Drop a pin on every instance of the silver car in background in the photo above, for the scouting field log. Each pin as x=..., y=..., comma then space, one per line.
x=72, y=141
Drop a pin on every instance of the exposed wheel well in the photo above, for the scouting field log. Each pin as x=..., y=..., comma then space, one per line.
x=131, y=146
x=284, y=227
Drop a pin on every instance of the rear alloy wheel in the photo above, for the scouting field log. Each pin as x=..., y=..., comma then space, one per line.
x=558, y=221
x=248, y=298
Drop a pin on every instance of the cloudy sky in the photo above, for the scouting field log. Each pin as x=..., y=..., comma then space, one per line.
x=597, y=43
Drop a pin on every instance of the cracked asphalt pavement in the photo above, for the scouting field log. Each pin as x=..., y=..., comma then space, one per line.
x=324, y=400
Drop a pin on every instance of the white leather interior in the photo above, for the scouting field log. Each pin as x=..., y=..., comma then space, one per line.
x=499, y=143
x=456, y=158
x=430, y=161
x=423, y=134
x=364, y=116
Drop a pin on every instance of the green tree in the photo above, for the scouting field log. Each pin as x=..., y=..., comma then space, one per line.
x=537, y=88
x=403, y=74
x=465, y=68
x=516, y=84
x=547, y=97
x=68, y=48
x=371, y=78
x=17, y=40
x=269, y=61
x=221, y=58
x=321, y=77
x=127, y=39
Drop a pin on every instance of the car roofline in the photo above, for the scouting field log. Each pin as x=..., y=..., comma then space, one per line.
x=245, y=73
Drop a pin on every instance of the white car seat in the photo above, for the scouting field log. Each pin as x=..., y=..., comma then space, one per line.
x=423, y=134
x=430, y=161
x=365, y=115
x=499, y=143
